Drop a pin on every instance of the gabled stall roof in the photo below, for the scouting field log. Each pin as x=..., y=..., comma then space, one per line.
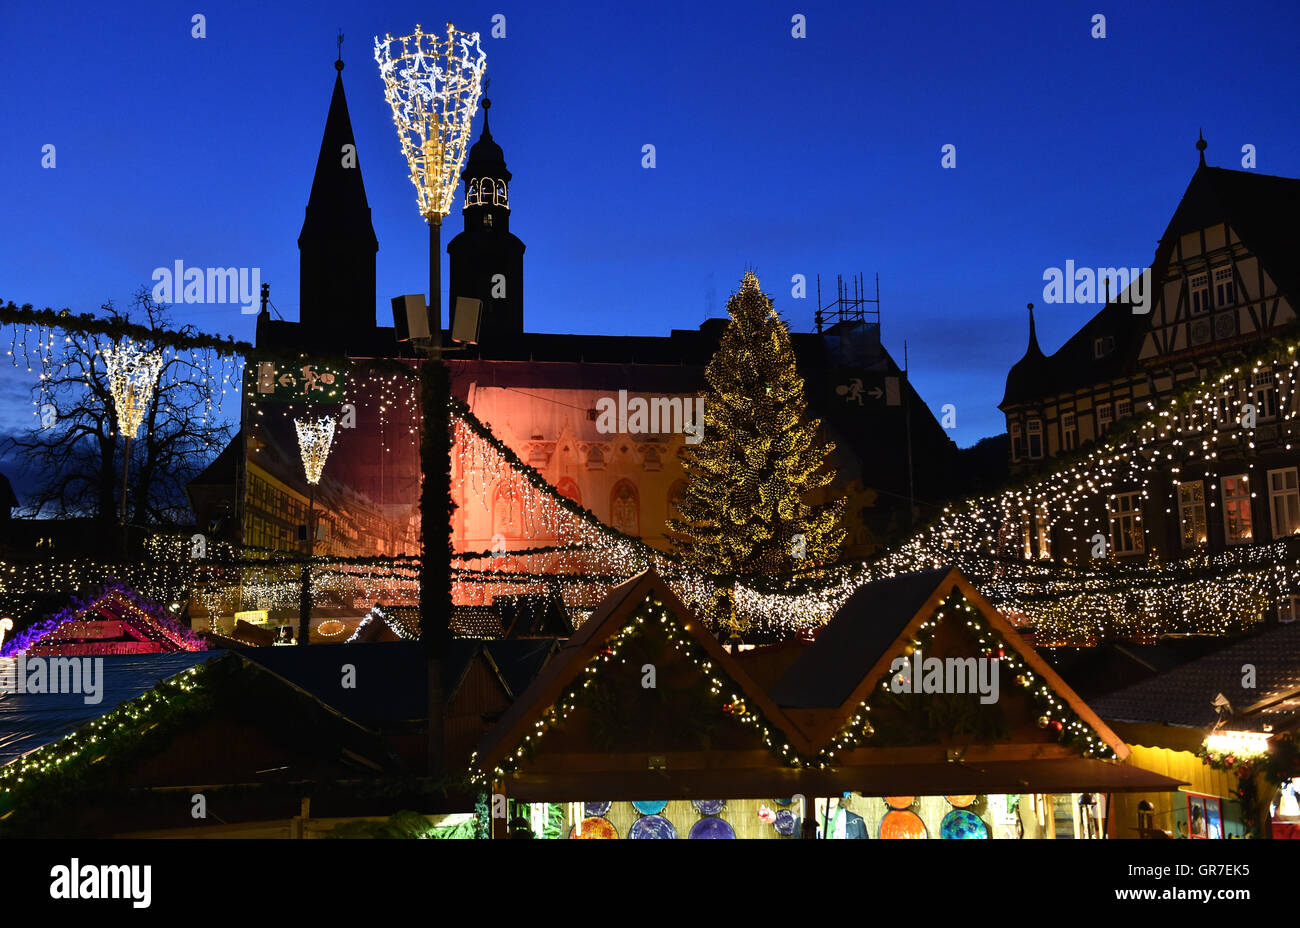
x=847, y=660
x=573, y=656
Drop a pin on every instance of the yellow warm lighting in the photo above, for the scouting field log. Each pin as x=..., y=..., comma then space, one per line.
x=1239, y=743
x=433, y=86
x=314, y=440
x=132, y=373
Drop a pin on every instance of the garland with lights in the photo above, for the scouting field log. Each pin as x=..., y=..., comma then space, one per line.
x=1055, y=714
x=1277, y=765
x=153, y=618
x=652, y=612
x=97, y=752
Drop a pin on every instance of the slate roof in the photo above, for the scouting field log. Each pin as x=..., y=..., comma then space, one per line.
x=1184, y=695
x=32, y=720
x=391, y=677
x=1261, y=208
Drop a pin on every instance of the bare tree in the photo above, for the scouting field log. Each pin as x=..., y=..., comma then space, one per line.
x=76, y=451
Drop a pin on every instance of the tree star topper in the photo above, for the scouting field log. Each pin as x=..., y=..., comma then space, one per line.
x=433, y=87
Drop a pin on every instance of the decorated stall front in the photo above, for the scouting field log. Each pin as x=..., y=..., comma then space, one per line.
x=916, y=712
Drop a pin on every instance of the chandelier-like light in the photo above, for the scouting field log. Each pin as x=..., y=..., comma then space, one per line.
x=132, y=373
x=314, y=440
x=433, y=86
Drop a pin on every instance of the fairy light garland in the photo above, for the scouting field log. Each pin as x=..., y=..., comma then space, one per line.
x=651, y=612
x=1054, y=713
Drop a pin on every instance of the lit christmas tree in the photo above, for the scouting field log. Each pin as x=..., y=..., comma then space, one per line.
x=745, y=506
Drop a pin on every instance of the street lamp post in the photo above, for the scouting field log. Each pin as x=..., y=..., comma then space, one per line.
x=132, y=374
x=433, y=86
x=314, y=441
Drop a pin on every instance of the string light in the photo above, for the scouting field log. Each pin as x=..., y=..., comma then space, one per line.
x=433, y=87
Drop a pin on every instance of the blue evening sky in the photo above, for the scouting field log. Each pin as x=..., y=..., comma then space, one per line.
x=815, y=155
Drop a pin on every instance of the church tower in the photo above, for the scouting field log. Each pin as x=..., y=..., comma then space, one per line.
x=486, y=260
x=337, y=244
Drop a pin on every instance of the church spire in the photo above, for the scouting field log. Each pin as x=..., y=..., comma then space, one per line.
x=337, y=244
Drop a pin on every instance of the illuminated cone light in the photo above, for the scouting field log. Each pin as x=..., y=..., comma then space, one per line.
x=132, y=374
x=433, y=85
x=314, y=441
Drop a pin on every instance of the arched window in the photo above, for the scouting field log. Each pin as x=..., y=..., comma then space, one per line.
x=625, y=509
x=471, y=193
x=568, y=488
x=595, y=458
x=507, y=513
x=501, y=199
x=674, y=498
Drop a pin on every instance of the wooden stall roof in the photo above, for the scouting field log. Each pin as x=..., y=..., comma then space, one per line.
x=851, y=654
x=574, y=655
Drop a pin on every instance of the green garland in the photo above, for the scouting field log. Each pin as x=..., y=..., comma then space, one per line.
x=1280, y=764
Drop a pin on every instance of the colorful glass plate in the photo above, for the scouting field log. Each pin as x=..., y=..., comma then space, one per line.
x=596, y=809
x=595, y=827
x=712, y=828
x=961, y=823
x=652, y=826
x=900, y=824
x=708, y=806
x=960, y=802
x=650, y=807
x=785, y=823
x=899, y=802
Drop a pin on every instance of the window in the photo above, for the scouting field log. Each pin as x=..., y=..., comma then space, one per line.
x=1225, y=293
x=1264, y=394
x=1288, y=610
x=1123, y=409
x=1236, y=509
x=1069, y=432
x=1200, y=285
x=625, y=509
x=1284, y=502
x=1027, y=534
x=1044, y=527
x=1017, y=441
x=1103, y=346
x=1126, y=523
x=1191, y=513
x=1105, y=418
x=1204, y=816
x=568, y=488
x=1226, y=405
x=1035, y=430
